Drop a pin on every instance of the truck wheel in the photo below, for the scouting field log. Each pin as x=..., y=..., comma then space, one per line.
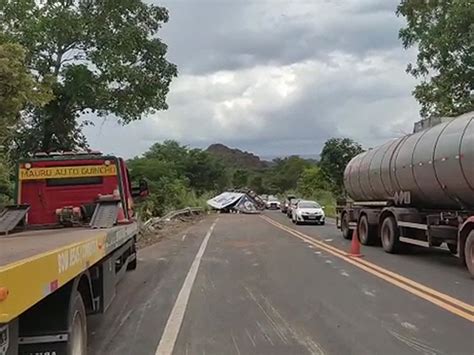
x=346, y=232
x=453, y=248
x=390, y=234
x=132, y=265
x=366, y=233
x=77, y=340
x=469, y=253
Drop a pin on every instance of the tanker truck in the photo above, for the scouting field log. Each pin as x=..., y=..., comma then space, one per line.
x=418, y=189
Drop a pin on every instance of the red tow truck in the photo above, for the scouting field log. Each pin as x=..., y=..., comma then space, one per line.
x=64, y=246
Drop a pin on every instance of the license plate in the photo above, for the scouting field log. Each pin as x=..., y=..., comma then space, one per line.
x=311, y=217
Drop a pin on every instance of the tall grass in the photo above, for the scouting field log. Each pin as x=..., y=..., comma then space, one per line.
x=326, y=199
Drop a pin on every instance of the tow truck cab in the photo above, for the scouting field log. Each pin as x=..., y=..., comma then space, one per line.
x=65, y=244
x=48, y=184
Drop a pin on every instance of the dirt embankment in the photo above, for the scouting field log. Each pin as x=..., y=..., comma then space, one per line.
x=167, y=229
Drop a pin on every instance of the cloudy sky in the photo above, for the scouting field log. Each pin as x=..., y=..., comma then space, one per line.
x=277, y=77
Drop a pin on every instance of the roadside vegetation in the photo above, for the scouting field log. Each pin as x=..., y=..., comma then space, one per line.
x=180, y=176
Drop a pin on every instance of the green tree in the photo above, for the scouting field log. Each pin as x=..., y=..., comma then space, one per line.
x=177, y=176
x=256, y=184
x=240, y=178
x=18, y=89
x=102, y=57
x=311, y=180
x=443, y=31
x=336, y=154
x=285, y=173
x=205, y=172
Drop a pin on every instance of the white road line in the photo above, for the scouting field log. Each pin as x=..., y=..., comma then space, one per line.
x=184, y=237
x=173, y=325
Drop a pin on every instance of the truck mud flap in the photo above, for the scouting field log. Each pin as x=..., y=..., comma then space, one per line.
x=11, y=216
x=105, y=214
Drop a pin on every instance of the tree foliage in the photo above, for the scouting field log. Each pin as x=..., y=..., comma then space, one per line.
x=336, y=154
x=284, y=174
x=312, y=180
x=102, y=57
x=18, y=89
x=443, y=31
x=177, y=175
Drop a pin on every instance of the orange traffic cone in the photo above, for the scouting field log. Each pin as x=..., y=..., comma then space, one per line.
x=355, y=245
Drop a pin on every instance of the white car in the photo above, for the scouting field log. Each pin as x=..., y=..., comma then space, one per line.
x=308, y=212
x=272, y=203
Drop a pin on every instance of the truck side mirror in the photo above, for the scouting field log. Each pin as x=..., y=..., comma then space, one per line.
x=141, y=190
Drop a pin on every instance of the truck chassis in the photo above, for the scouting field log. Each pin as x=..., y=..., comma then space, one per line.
x=379, y=222
x=48, y=315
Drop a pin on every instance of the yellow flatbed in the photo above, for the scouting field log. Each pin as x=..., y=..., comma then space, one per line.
x=33, y=264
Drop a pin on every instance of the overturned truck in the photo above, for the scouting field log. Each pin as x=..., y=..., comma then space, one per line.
x=231, y=201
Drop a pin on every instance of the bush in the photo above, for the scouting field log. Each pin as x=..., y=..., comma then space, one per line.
x=326, y=199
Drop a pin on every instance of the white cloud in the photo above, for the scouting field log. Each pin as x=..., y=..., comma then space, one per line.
x=278, y=77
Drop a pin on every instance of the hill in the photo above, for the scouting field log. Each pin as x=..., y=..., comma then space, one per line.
x=236, y=158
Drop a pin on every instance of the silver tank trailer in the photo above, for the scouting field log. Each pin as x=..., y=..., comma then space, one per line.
x=435, y=165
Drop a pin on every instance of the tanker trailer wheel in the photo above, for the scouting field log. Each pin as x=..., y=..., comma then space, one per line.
x=469, y=253
x=367, y=235
x=390, y=234
x=346, y=232
x=77, y=340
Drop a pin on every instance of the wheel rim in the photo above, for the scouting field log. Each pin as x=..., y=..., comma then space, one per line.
x=363, y=230
x=77, y=336
x=345, y=225
x=385, y=234
x=471, y=260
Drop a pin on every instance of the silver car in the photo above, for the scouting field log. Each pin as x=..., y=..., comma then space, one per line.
x=308, y=212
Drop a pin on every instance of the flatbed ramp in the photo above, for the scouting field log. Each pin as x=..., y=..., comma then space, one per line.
x=11, y=217
x=105, y=214
x=33, y=264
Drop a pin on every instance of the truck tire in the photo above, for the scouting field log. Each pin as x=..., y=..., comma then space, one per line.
x=469, y=253
x=346, y=232
x=453, y=248
x=390, y=234
x=367, y=235
x=132, y=265
x=77, y=326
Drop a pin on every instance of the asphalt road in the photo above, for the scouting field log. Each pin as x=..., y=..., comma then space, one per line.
x=256, y=284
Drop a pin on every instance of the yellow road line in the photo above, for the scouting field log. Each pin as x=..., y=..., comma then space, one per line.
x=446, y=302
x=399, y=277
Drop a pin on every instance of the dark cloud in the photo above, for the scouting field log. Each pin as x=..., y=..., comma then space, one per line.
x=278, y=77
x=211, y=36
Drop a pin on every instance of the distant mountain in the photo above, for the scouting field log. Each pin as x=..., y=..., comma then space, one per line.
x=236, y=157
